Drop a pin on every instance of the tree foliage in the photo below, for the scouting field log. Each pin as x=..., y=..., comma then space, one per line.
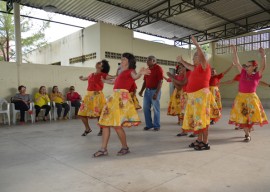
x=32, y=34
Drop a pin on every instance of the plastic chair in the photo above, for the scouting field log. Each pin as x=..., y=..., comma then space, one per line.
x=55, y=111
x=5, y=110
x=71, y=109
x=42, y=110
x=14, y=113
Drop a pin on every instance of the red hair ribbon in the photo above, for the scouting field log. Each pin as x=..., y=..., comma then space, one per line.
x=254, y=63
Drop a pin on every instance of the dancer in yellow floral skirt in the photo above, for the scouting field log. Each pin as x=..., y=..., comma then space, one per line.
x=175, y=107
x=94, y=100
x=132, y=92
x=215, y=103
x=119, y=110
x=247, y=109
x=197, y=113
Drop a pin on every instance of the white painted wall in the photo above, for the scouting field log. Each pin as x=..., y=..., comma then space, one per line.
x=80, y=43
x=33, y=76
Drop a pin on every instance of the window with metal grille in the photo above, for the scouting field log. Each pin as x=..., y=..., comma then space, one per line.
x=245, y=43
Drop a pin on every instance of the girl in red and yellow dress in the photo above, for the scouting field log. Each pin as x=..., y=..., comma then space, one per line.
x=175, y=107
x=197, y=113
x=215, y=103
x=132, y=92
x=94, y=100
x=247, y=109
x=119, y=110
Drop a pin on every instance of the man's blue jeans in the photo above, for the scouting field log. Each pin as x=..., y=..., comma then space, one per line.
x=149, y=102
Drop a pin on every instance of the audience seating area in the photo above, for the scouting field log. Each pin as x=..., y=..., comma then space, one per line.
x=9, y=114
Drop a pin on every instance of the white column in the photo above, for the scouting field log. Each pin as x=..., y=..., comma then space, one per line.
x=213, y=51
x=190, y=53
x=17, y=23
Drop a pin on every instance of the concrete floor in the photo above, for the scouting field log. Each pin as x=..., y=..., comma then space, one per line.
x=54, y=157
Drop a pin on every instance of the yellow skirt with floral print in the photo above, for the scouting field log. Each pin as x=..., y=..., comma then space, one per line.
x=92, y=105
x=216, y=93
x=183, y=103
x=119, y=111
x=135, y=100
x=215, y=112
x=197, y=113
x=174, y=107
x=247, y=111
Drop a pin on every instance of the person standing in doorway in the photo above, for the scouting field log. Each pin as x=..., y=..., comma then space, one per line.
x=152, y=86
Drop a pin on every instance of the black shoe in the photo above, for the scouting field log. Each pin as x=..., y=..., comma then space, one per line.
x=212, y=122
x=192, y=135
x=181, y=134
x=156, y=129
x=147, y=128
x=99, y=133
x=202, y=146
x=86, y=132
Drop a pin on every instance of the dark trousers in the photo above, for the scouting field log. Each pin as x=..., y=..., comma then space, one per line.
x=46, y=107
x=22, y=106
x=77, y=105
x=59, y=107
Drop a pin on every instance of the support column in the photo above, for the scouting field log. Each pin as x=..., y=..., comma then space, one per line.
x=190, y=53
x=17, y=24
x=213, y=51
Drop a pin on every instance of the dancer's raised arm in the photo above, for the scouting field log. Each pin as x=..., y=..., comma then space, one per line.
x=236, y=59
x=200, y=52
x=186, y=64
x=263, y=64
x=229, y=68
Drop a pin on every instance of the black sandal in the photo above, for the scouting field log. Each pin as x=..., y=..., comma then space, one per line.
x=247, y=139
x=181, y=134
x=99, y=133
x=194, y=144
x=192, y=135
x=101, y=153
x=202, y=146
x=123, y=151
x=86, y=132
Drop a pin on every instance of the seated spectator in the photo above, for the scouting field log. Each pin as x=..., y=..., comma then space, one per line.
x=75, y=99
x=41, y=102
x=22, y=102
x=58, y=98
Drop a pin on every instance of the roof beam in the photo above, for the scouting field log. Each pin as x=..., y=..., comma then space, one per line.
x=212, y=13
x=146, y=14
x=165, y=13
x=226, y=31
x=259, y=5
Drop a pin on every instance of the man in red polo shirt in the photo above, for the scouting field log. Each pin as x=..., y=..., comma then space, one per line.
x=152, y=86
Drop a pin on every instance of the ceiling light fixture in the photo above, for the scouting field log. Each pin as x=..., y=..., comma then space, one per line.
x=50, y=8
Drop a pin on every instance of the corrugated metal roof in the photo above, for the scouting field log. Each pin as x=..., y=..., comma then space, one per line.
x=234, y=9
x=193, y=21
x=141, y=5
x=165, y=29
x=197, y=19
